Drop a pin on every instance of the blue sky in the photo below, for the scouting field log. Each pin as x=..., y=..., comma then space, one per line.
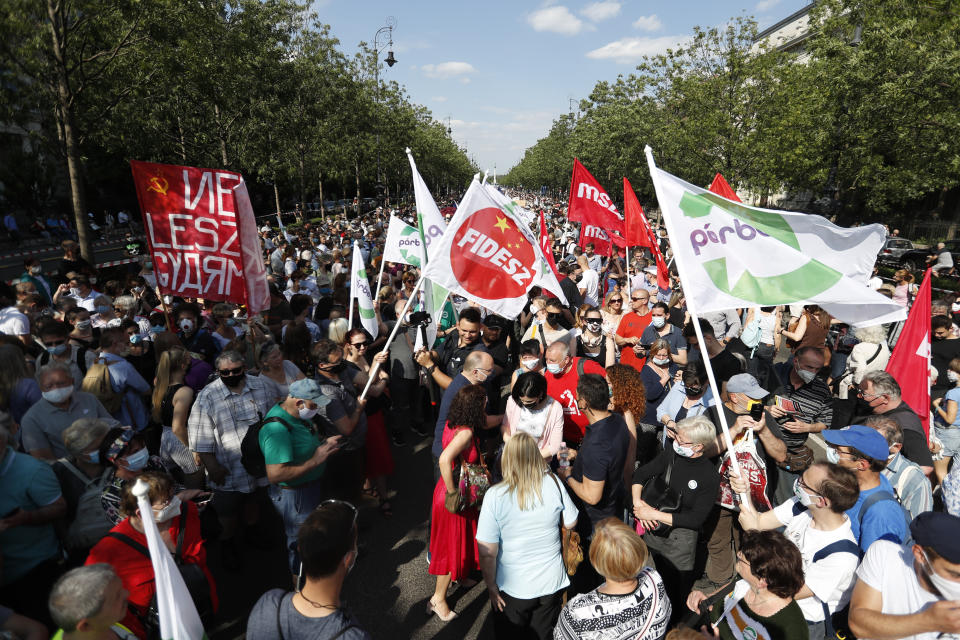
x=502, y=71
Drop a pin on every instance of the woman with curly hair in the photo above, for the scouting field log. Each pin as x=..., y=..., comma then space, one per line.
x=453, y=536
x=629, y=398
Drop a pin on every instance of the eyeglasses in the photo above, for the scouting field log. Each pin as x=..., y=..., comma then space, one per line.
x=341, y=503
x=639, y=299
x=230, y=372
x=360, y=345
x=871, y=398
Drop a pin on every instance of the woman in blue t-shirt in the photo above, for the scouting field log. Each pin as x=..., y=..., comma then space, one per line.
x=947, y=424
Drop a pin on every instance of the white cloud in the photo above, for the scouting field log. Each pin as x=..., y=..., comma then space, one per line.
x=405, y=46
x=439, y=98
x=599, y=11
x=628, y=50
x=648, y=23
x=446, y=70
x=763, y=5
x=556, y=20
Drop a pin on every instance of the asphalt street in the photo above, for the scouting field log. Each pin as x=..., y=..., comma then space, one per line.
x=12, y=256
x=389, y=587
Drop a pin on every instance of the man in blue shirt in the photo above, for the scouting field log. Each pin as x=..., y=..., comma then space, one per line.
x=864, y=451
x=124, y=378
x=477, y=367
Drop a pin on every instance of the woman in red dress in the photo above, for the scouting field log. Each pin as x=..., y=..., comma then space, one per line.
x=134, y=567
x=453, y=536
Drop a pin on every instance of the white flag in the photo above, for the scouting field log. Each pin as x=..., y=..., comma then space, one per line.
x=730, y=255
x=283, y=229
x=360, y=290
x=487, y=255
x=403, y=244
x=529, y=217
x=178, y=615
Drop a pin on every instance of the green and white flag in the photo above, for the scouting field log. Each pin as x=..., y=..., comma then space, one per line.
x=360, y=290
x=730, y=255
x=178, y=615
x=431, y=225
x=403, y=244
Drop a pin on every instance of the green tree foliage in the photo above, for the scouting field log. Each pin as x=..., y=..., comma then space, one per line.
x=256, y=86
x=863, y=118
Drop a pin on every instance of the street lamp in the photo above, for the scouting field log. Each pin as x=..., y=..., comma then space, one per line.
x=390, y=60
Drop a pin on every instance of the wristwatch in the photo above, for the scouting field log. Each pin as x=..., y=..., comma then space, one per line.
x=431, y=368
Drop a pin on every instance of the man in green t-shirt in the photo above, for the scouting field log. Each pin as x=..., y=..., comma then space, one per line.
x=295, y=458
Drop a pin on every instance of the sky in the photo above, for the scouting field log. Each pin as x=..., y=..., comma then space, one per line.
x=502, y=71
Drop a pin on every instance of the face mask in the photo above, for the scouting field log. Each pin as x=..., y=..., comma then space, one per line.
x=103, y=308
x=529, y=405
x=949, y=589
x=57, y=350
x=137, y=289
x=554, y=368
x=681, y=450
x=186, y=324
x=172, y=510
x=231, y=322
x=58, y=395
x=553, y=318
x=148, y=264
x=93, y=457
x=74, y=291
x=953, y=376
x=36, y=269
x=693, y=392
x=530, y=364
x=233, y=380
x=93, y=280
x=955, y=307
x=593, y=325
x=83, y=325
x=306, y=414
x=658, y=321
x=833, y=455
x=802, y=495
x=137, y=461
x=337, y=368
x=661, y=361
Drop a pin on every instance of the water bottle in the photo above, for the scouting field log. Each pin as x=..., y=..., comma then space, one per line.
x=562, y=455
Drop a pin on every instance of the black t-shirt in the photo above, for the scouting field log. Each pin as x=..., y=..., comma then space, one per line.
x=914, y=439
x=602, y=456
x=450, y=355
x=572, y=293
x=725, y=366
x=941, y=353
x=695, y=479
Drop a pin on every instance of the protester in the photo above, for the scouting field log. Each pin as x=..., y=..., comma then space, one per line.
x=129, y=387
x=691, y=397
x=631, y=329
x=519, y=542
x=531, y=411
x=660, y=329
x=881, y=392
x=90, y=602
x=563, y=376
x=659, y=375
x=947, y=422
x=592, y=341
x=448, y=360
x=724, y=364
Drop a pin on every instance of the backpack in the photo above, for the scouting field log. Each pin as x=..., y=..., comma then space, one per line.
x=193, y=577
x=90, y=523
x=81, y=360
x=251, y=455
x=750, y=336
x=837, y=625
x=97, y=382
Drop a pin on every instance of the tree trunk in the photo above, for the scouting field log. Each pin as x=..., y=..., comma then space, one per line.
x=303, y=181
x=78, y=196
x=356, y=167
x=276, y=195
x=222, y=135
x=183, y=146
x=323, y=209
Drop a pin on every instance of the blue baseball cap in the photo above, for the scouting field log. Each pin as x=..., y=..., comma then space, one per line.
x=867, y=441
x=308, y=389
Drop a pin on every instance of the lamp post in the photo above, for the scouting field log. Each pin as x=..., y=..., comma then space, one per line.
x=390, y=60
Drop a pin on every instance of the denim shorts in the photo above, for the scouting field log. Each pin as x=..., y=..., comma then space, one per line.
x=950, y=437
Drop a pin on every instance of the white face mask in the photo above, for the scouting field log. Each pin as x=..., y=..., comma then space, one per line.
x=833, y=455
x=554, y=368
x=306, y=414
x=172, y=510
x=186, y=324
x=530, y=363
x=58, y=395
x=681, y=450
x=660, y=361
x=806, y=376
x=953, y=376
x=949, y=589
x=802, y=495
x=658, y=321
x=955, y=307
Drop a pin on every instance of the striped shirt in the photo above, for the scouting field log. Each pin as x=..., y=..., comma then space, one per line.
x=218, y=421
x=815, y=403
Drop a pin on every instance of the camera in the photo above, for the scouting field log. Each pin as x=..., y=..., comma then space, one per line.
x=419, y=319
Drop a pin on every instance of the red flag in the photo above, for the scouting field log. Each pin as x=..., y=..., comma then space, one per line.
x=589, y=203
x=202, y=234
x=910, y=361
x=545, y=245
x=637, y=228
x=722, y=188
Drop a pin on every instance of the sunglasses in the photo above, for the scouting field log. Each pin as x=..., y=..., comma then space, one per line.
x=54, y=343
x=360, y=345
x=639, y=299
x=342, y=503
x=230, y=372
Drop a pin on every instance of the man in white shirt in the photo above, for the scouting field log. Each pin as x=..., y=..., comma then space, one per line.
x=911, y=591
x=589, y=282
x=815, y=521
x=12, y=321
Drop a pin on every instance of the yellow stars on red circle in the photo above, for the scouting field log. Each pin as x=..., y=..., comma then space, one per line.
x=502, y=224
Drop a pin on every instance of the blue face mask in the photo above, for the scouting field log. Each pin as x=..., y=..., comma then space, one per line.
x=833, y=455
x=231, y=322
x=93, y=457
x=137, y=461
x=58, y=350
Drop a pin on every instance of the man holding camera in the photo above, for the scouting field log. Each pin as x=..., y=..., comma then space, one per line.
x=444, y=364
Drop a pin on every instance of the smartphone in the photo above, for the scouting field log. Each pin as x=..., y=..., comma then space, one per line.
x=756, y=410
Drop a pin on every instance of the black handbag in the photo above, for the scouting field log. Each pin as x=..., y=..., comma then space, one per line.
x=659, y=494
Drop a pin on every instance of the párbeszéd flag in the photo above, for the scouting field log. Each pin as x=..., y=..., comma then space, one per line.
x=202, y=234
x=488, y=256
x=910, y=361
x=403, y=244
x=730, y=255
x=360, y=291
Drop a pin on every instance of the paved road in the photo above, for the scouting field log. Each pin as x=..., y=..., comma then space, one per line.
x=389, y=586
x=11, y=265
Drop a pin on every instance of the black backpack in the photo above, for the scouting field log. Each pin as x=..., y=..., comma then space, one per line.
x=193, y=576
x=251, y=455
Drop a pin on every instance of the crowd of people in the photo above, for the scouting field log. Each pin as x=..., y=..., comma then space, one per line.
x=580, y=469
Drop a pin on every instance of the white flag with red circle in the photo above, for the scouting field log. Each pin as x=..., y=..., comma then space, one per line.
x=489, y=256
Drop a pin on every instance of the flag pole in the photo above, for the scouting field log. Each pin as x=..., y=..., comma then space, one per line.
x=695, y=320
x=628, y=270
x=353, y=285
x=393, y=334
